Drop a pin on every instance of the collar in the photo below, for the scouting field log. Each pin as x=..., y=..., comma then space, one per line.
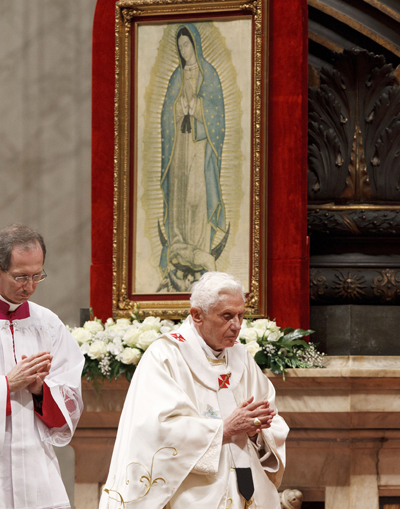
x=11, y=306
x=9, y=311
x=187, y=342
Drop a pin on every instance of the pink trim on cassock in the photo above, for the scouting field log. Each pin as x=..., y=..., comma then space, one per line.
x=19, y=314
x=50, y=414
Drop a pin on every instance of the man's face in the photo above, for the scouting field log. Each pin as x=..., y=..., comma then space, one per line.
x=221, y=326
x=23, y=263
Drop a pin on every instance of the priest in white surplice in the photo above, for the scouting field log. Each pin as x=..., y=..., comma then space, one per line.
x=40, y=373
x=199, y=428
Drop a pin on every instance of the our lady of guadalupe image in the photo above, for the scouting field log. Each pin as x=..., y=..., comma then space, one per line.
x=192, y=140
x=193, y=154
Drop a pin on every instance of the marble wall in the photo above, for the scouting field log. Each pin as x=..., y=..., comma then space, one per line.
x=45, y=130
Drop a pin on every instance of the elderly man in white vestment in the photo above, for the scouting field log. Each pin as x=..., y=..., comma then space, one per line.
x=40, y=375
x=199, y=428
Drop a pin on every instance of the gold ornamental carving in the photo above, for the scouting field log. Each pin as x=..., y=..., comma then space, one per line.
x=251, y=6
x=387, y=285
x=318, y=284
x=351, y=285
x=357, y=183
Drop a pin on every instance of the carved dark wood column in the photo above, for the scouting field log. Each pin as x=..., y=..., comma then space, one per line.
x=354, y=183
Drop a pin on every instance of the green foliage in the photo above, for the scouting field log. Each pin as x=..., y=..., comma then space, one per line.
x=92, y=371
x=289, y=351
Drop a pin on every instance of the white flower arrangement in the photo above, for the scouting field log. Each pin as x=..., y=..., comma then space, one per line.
x=114, y=348
x=279, y=349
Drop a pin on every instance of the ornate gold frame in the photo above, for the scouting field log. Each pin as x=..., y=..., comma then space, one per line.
x=127, y=12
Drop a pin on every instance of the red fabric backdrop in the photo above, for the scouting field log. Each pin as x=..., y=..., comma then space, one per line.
x=287, y=252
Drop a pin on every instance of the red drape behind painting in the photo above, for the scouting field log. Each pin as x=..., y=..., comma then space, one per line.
x=288, y=264
x=287, y=251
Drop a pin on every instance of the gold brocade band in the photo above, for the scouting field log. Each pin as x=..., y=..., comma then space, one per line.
x=216, y=361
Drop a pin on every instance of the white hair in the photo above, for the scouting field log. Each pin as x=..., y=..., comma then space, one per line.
x=207, y=290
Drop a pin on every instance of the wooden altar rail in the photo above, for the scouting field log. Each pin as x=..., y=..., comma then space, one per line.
x=344, y=444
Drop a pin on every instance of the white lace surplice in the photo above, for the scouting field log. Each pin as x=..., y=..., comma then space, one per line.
x=29, y=471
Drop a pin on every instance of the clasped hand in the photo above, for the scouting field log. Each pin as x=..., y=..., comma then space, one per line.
x=30, y=372
x=242, y=418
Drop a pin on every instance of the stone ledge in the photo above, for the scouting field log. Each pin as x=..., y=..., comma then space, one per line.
x=349, y=366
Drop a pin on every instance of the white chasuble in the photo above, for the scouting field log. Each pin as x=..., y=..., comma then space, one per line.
x=169, y=450
x=29, y=472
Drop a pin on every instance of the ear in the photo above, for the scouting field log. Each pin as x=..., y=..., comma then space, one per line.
x=197, y=315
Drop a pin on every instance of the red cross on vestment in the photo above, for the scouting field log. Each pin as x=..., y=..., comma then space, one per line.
x=178, y=336
x=223, y=381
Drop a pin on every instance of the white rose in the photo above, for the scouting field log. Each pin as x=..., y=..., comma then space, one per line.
x=273, y=334
x=85, y=348
x=115, y=329
x=267, y=329
x=166, y=326
x=81, y=335
x=93, y=326
x=131, y=336
x=165, y=329
x=133, y=326
x=115, y=348
x=102, y=335
x=109, y=322
x=146, y=339
x=167, y=323
x=249, y=335
x=260, y=332
x=263, y=323
x=110, y=334
x=151, y=323
x=130, y=356
x=123, y=322
x=97, y=349
x=253, y=347
x=111, y=327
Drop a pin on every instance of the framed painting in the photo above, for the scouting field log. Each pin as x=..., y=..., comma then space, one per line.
x=190, y=157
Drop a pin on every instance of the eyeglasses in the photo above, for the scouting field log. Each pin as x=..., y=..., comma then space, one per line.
x=23, y=280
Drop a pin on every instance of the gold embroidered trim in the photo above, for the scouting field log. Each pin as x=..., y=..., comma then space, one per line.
x=121, y=501
x=230, y=501
x=143, y=479
x=216, y=361
x=249, y=503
